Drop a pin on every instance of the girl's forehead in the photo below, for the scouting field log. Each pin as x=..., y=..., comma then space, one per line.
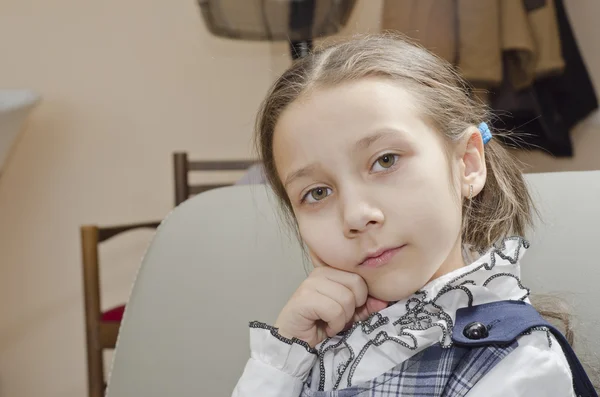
x=348, y=120
x=347, y=113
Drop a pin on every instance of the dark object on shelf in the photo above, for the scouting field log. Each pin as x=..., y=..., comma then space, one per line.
x=295, y=21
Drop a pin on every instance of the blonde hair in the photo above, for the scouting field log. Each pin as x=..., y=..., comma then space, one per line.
x=503, y=207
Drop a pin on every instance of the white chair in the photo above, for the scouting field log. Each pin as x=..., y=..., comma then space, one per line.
x=223, y=259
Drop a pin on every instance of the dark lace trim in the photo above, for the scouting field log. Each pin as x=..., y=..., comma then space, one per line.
x=521, y=286
x=340, y=369
x=275, y=332
x=379, y=340
x=545, y=329
x=421, y=314
x=499, y=250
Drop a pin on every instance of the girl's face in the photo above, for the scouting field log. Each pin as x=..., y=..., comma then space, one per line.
x=367, y=175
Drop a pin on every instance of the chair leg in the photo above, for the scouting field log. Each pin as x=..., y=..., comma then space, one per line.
x=96, y=384
x=91, y=288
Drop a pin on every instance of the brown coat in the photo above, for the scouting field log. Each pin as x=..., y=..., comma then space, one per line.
x=475, y=34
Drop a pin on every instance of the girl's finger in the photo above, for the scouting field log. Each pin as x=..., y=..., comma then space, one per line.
x=352, y=281
x=375, y=305
x=330, y=312
x=339, y=293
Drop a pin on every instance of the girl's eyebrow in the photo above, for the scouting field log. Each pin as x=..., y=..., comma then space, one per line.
x=367, y=141
x=361, y=144
x=302, y=172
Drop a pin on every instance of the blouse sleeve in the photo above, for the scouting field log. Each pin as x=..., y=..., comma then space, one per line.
x=278, y=366
x=537, y=367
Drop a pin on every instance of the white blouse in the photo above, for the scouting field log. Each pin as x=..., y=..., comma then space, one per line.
x=537, y=367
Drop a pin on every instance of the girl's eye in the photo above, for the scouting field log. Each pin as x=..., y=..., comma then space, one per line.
x=316, y=194
x=385, y=162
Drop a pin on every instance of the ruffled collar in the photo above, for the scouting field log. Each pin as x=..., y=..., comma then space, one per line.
x=422, y=320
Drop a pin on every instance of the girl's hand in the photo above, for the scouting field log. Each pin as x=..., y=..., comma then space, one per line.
x=327, y=302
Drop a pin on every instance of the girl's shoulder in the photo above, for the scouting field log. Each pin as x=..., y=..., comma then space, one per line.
x=536, y=367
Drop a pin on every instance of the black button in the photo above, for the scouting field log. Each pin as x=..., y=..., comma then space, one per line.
x=476, y=331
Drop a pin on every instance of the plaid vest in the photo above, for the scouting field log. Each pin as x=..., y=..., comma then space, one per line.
x=482, y=336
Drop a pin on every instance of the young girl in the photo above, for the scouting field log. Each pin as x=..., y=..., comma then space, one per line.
x=383, y=160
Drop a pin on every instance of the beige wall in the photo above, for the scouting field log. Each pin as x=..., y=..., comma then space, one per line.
x=125, y=84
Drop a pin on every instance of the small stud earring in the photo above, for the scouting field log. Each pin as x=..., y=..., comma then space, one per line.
x=470, y=192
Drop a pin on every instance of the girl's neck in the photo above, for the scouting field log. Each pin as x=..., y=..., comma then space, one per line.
x=454, y=261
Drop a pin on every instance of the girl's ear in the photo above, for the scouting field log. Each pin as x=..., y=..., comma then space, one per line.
x=473, y=170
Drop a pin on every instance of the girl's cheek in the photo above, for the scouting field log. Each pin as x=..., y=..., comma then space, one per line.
x=324, y=247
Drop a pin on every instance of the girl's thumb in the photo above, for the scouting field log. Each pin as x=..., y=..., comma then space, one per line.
x=375, y=305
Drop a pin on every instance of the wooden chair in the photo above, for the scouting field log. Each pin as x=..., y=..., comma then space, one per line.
x=183, y=166
x=102, y=327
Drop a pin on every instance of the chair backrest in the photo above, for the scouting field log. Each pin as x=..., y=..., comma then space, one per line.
x=99, y=335
x=223, y=259
x=183, y=166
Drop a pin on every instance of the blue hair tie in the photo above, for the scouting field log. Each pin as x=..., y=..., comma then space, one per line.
x=486, y=134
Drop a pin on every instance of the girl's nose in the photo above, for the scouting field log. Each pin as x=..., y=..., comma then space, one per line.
x=360, y=216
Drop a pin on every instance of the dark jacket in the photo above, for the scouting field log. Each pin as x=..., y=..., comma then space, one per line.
x=545, y=112
x=520, y=55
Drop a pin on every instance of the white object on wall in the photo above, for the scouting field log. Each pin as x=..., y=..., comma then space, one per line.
x=15, y=106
